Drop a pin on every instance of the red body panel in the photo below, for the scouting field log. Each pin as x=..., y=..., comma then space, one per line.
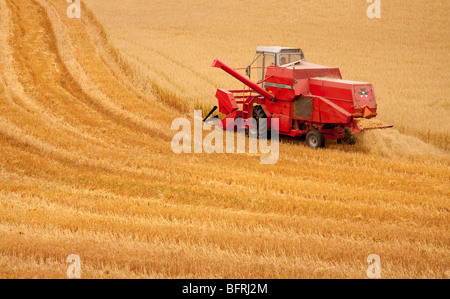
x=227, y=103
x=303, y=96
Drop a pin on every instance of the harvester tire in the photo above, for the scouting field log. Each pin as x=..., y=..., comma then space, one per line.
x=348, y=137
x=315, y=139
x=258, y=113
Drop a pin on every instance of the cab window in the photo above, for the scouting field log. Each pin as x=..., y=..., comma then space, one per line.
x=288, y=58
x=265, y=61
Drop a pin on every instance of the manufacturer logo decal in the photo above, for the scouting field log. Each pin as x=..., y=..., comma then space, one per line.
x=363, y=93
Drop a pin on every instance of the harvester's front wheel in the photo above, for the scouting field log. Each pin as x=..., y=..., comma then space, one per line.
x=315, y=139
x=260, y=131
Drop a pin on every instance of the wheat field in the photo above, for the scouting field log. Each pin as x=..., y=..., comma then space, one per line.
x=87, y=168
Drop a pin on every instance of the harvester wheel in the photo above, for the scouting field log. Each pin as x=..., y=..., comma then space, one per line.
x=315, y=139
x=258, y=113
x=348, y=137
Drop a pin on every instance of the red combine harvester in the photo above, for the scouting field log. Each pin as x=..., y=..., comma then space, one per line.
x=307, y=99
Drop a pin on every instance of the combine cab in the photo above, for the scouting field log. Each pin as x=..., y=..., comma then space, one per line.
x=307, y=99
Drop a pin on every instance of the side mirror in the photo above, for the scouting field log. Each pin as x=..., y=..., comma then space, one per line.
x=248, y=71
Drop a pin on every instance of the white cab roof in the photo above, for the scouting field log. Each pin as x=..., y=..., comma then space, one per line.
x=261, y=49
